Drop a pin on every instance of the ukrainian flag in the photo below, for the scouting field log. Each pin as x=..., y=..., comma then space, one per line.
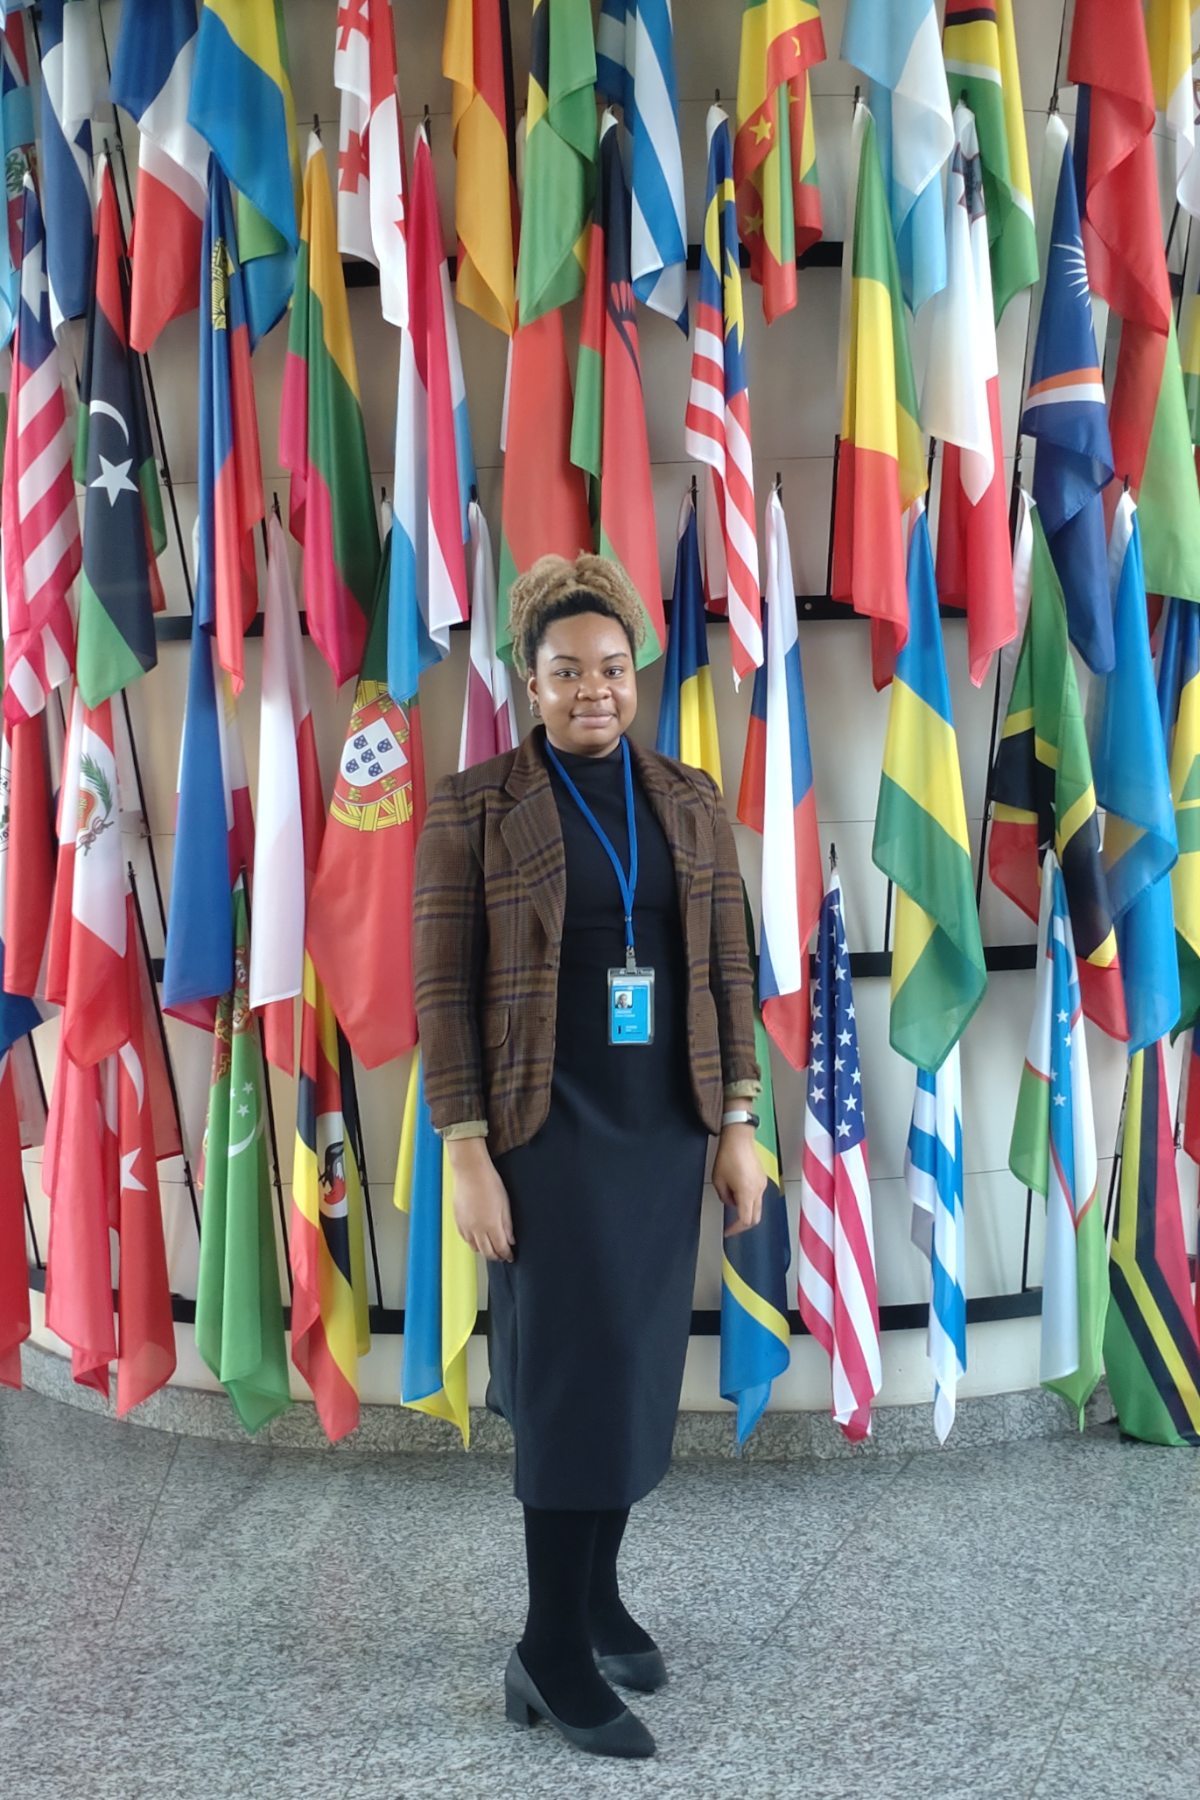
x=687, y=714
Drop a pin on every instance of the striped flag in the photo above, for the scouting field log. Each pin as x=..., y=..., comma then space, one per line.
x=921, y=842
x=774, y=152
x=372, y=180
x=933, y=1174
x=1151, y=1350
x=560, y=157
x=489, y=725
x=1053, y=1151
x=717, y=423
x=323, y=441
x=837, y=1293
x=151, y=79
x=1179, y=708
x=687, y=715
x=477, y=58
x=42, y=552
x=17, y=148
x=777, y=798
x=635, y=69
x=74, y=85
x=1169, y=41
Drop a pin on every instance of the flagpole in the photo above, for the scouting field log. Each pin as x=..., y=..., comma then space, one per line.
x=346, y=1067
x=166, y=1048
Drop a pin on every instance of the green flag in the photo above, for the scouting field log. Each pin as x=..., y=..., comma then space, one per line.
x=560, y=157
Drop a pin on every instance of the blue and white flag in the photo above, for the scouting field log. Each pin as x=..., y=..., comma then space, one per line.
x=933, y=1174
x=76, y=84
x=635, y=68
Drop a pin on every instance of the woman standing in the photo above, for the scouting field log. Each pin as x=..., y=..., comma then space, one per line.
x=586, y=1018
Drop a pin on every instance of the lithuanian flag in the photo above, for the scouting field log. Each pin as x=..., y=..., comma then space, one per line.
x=1179, y=707
x=881, y=459
x=560, y=156
x=774, y=152
x=477, y=58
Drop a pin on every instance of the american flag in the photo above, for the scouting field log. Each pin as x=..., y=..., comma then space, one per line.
x=837, y=1250
x=717, y=425
x=41, y=522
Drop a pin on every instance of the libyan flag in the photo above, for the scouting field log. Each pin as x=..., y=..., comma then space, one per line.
x=114, y=460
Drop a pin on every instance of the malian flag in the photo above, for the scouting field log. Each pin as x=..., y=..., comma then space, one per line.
x=777, y=799
x=372, y=183
x=151, y=79
x=489, y=724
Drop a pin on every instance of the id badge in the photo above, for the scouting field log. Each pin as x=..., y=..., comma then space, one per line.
x=631, y=1006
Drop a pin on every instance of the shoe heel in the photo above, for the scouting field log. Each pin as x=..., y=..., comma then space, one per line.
x=516, y=1711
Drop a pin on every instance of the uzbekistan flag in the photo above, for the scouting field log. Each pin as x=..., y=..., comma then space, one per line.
x=372, y=180
x=774, y=152
x=1179, y=709
x=778, y=800
x=323, y=441
x=687, y=715
x=477, y=58
x=560, y=156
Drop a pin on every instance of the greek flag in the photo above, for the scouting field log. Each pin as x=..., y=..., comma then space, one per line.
x=933, y=1173
x=635, y=69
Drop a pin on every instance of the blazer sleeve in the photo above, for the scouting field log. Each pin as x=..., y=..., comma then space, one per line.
x=449, y=941
x=729, y=958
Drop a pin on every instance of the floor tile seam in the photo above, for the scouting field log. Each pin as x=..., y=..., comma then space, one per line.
x=152, y=1515
x=1055, y=1735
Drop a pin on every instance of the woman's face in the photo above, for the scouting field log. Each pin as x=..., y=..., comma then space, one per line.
x=584, y=684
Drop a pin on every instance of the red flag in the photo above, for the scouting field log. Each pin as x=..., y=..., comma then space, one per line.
x=79, y=1174
x=14, y=1259
x=30, y=886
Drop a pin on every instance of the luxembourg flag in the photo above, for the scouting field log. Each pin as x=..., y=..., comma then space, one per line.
x=151, y=79
x=777, y=799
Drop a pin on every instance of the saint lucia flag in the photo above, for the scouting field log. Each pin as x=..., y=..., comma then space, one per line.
x=687, y=716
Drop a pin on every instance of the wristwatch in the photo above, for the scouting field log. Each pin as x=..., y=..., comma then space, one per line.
x=743, y=1117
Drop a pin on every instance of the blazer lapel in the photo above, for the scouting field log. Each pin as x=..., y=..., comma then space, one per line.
x=677, y=820
x=533, y=836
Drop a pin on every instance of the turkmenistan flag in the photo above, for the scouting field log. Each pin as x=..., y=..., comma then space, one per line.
x=921, y=843
x=980, y=47
x=114, y=458
x=1153, y=450
x=1179, y=708
x=560, y=155
x=239, y=1312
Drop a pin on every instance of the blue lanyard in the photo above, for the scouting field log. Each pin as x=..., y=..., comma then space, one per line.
x=628, y=883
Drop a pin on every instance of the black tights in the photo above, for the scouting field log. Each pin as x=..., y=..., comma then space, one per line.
x=575, y=1607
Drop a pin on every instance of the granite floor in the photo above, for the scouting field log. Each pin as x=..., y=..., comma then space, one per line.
x=221, y=1621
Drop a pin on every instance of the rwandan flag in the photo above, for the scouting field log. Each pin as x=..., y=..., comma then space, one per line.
x=1179, y=709
x=921, y=843
x=560, y=157
x=687, y=714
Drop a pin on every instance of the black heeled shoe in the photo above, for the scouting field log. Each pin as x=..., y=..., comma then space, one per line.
x=523, y=1705
x=643, y=1670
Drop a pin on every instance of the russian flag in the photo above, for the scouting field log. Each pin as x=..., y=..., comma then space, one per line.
x=777, y=799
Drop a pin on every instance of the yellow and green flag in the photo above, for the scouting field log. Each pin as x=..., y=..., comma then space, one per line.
x=560, y=157
x=477, y=58
x=774, y=152
x=1179, y=708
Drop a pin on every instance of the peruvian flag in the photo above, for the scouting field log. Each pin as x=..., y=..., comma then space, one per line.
x=961, y=405
x=489, y=724
x=372, y=183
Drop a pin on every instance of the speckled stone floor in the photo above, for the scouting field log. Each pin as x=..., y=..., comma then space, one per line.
x=220, y=1621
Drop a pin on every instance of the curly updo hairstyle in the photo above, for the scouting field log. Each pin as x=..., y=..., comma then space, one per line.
x=557, y=589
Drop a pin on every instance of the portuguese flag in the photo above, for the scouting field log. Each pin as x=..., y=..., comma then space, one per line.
x=114, y=459
x=323, y=442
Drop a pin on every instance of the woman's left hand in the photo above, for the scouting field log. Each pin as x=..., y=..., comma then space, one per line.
x=739, y=1177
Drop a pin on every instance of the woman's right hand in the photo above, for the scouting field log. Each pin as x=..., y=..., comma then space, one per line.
x=481, y=1209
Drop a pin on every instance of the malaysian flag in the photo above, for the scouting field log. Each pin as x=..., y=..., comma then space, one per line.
x=717, y=425
x=837, y=1249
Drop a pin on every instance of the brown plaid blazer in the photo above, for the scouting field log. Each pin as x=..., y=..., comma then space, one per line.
x=491, y=885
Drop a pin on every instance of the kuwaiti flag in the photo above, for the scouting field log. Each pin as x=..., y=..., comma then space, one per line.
x=635, y=69
x=777, y=799
x=151, y=79
x=933, y=1174
x=74, y=85
x=687, y=714
x=961, y=406
x=372, y=181
x=1169, y=41
x=16, y=146
x=489, y=724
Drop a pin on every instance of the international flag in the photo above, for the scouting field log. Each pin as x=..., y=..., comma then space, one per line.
x=608, y=433
x=14, y=1257
x=151, y=79
x=1044, y=797
x=980, y=47
x=961, y=406
x=1053, y=1151
x=1133, y=789
x=775, y=152
x=717, y=423
x=289, y=816
x=74, y=86
x=18, y=1012
x=16, y=145
x=29, y=862
x=900, y=53
x=241, y=103
x=635, y=70
x=881, y=457
x=323, y=441
x=921, y=842
x=122, y=520
x=933, y=1175
x=560, y=157
x=41, y=521
x=1179, y=708
x=477, y=58
x=837, y=1291
x=372, y=180
x=1065, y=411
x=1169, y=42
x=435, y=467
x=1151, y=1351
x=239, y=1309
x=687, y=714
x=330, y=1329
x=489, y=723
x=777, y=798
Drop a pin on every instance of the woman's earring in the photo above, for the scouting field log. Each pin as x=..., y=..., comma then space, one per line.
x=535, y=709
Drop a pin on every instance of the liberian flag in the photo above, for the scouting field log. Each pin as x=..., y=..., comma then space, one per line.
x=777, y=799
x=372, y=182
x=489, y=724
x=151, y=79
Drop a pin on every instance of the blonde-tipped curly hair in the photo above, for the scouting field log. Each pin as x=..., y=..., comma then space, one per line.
x=557, y=589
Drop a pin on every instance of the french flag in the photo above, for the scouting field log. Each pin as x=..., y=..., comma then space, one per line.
x=151, y=79
x=777, y=799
